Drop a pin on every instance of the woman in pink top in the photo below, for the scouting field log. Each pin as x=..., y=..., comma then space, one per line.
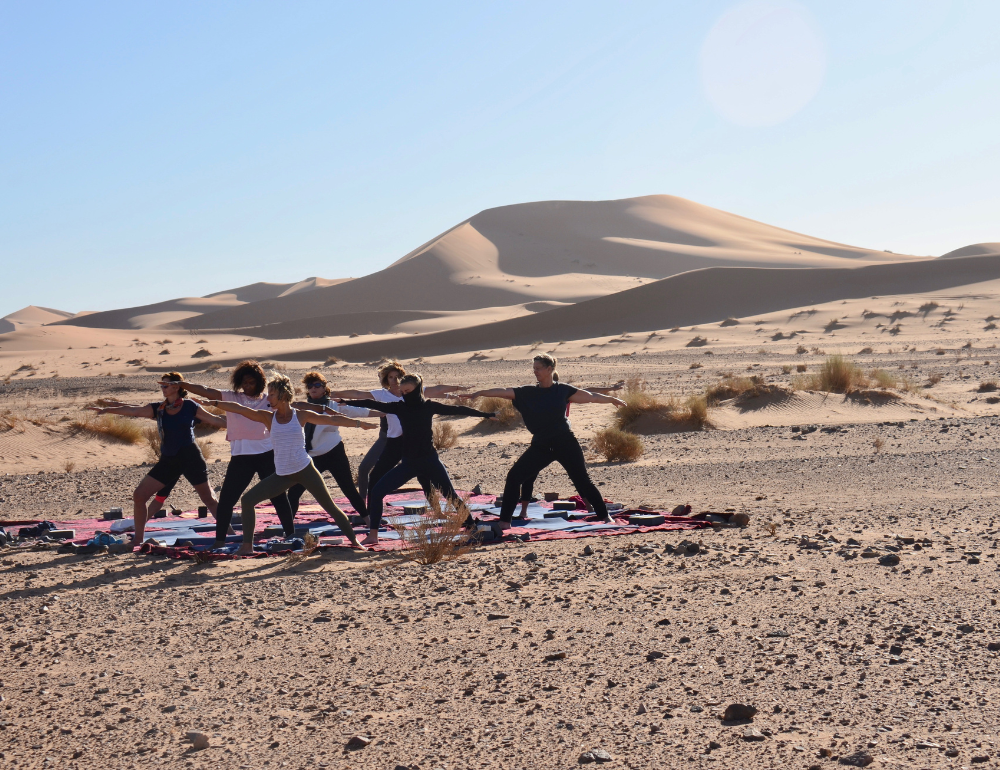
x=250, y=445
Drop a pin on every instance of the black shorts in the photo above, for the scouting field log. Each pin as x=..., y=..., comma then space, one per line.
x=188, y=463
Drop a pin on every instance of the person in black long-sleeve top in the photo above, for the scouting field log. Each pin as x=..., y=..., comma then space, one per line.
x=420, y=458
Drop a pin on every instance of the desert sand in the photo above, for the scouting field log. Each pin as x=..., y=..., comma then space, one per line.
x=539, y=652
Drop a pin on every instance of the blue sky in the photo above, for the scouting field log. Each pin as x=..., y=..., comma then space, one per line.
x=155, y=150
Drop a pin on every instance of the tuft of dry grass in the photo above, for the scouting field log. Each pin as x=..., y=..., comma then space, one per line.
x=730, y=322
x=206, y=446
x=11, y=420
x=878, y=443
x=214, y=367
x=311, y=545
x=436, y=537
x=801, y=350
x=731, y=387
x=836, y=375
x=507, y=417
x=865, y=351
x=664, y=415
x=618, y=445
x=988, y=386
x=445, y=436
x=880, y=378
x=934, y=379
x=801, y=367
x=201, y=353
x=697, y=342
x=786, y=369
x=151, y=436
x=110, y=426
x=772, y=528
x=68, y=466
x=331, y=360
x=696, y=365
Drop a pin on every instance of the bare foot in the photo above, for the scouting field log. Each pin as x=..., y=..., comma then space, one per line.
x=371, y=539
x=245, y=549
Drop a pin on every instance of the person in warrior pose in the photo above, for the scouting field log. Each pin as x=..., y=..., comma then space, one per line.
x=387, y=450
x=419, y=457
x=292, y=464
x=179, y=454
x=324, y=444
x=543, y=407
x=250, y=446
x=528, y=485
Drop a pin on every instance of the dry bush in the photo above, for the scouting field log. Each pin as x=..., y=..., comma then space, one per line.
x=730, y=322
x=151, y=435
x=878, y=443
x=201, y=353
x=696, y=365
x=331, y=360
x=801, y=350
x=507, y=417
x=772, y=528
x=206, y=447
x=731, y=387
x=68, y=466
x=987, y=387
x=909, y=386
x=801, y=368
x=311, y=545
x=445, y=436
x=880, y=378
x=214, y=367
x=618, y=445
x=786, y=369
x=657, y=415
x=836, y=375
x=10, y=420
x=696, y=411
x=111, y=426
x=865, y=351
x=989, y=327
x=436, y=537
x=934, y=379
x=927, y=307
x=697, y=342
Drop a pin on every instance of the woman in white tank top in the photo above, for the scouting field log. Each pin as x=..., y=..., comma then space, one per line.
x=292, y=463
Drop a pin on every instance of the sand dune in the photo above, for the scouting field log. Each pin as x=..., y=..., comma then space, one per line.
x=175, y=310
x=31, y=316
x=975, y=250
x=696, y=297
x=562, y=251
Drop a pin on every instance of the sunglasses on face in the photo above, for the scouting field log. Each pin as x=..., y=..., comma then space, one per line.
x=315, y=385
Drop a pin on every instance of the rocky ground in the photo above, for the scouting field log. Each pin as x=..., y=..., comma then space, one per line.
x=540, y=652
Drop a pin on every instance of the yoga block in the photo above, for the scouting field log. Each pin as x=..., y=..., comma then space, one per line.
x=275, y=530
x=61, y=534
x=563, y=505
x=551, y=497
x=161, y=514
x=112, y=513
x=420, y=508
x=646, y=519
x=557, y=515
x=202, y=511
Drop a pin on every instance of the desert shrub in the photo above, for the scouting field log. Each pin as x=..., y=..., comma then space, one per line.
x=927, y=307
x=801, y=350
x=865, y=351
x=987, y=387
x=201, y=353
x=878, y=443
x=907, y=385
x=206, y=446
x=697, y=342
x=786, y=369
x=880, y=378
x=507, y=417
x=731, y=387
x=801, y=368
x=11, y=420
x=934, y=379
x=445, y=436
x=836, y=375
x=618, y=445
x=110, y=426
x=695, y=412
x=436, y=537
x=730, y=322
x=989, y=327
x=151, y=436
x=696, y=365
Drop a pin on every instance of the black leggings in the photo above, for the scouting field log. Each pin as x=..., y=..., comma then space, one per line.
x=339, y=466
x=238, y=477
x=389, y=459
x=431, y=472
x=566, y=451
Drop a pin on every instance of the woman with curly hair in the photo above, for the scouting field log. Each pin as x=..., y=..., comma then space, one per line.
x=249, y=444
x=292, y=464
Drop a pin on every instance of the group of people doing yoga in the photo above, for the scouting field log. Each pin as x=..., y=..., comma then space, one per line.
x=288, y=444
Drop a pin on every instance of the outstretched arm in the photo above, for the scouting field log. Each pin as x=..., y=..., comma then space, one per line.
x=507, y=393
x=586, y=397
x=462, y=411
x=126, y=410
x=437, y=391
x=394, y=407
x=350, y=411
x=257, y=415
x=210, y=419
x=198, y=390
x=306, y=415
x=350, y=394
